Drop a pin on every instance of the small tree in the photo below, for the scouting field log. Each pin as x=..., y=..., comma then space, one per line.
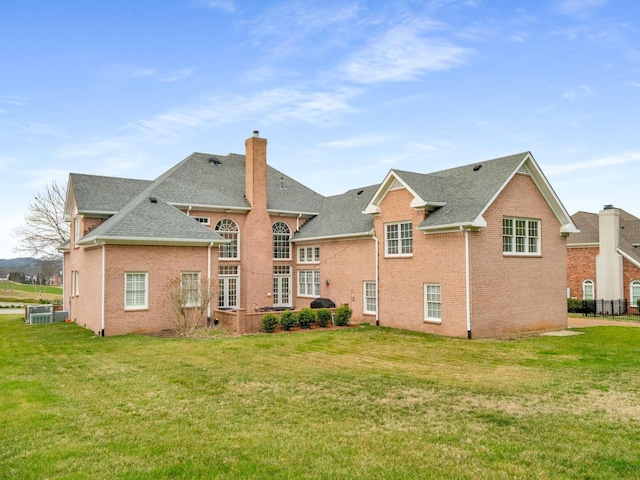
x=44, y=227
x=187, y=298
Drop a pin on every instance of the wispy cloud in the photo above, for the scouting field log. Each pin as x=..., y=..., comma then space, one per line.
x=576, y=93
x=128, y=72
x=360, y=141
x=403, y=53
x=602, y=162
x=14, y=100
x=228, y=6
x=579, y=7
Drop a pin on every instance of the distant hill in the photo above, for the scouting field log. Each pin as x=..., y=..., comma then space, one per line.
x=26, y=265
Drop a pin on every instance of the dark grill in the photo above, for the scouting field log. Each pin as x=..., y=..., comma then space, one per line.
x=322, y=303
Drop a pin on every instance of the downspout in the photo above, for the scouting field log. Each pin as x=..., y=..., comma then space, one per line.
x=188, y=211
x=209, y=283
x=467, y=282
x=377, y=276
x=298, y=222
x=103, y=286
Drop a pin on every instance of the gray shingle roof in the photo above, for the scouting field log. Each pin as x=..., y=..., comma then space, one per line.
x=341, y=215
x=151, y=222
x=589, y=225
x=465, y=190
x=99, y=194
x=198, y=181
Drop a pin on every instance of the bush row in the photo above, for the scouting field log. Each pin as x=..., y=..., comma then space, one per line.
x=305, y=318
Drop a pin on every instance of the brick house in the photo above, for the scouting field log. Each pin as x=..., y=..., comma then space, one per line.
x=462, y=252
x=603, y=259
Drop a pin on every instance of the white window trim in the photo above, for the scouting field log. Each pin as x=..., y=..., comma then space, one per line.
x=222, y=276
x=634, y=283
x=203, y=220
x=197, y=280
x=365, y=311
x=593, y=289
x=288, y=257
x=308, y=295
x=399, y=239
x=75, y=283
x=77, y=226
x=146, y=292
x=306, y=249
x=513, y=253
x=221, y=247
x=427, y=318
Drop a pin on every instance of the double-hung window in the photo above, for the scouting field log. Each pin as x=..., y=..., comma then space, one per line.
x=520, y=236
x=309, y=283
x=588, y=290
x=398, y=239
x=370, y=298
x=432, y=302
x=309, y=255
x=136, y=290
x=635, y=293
x=190, y=289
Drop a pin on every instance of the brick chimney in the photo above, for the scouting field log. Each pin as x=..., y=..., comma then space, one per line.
x=609, y=281
x=256, y=171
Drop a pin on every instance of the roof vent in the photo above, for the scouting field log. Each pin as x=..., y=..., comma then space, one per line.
x=282, y=187
x=359, y=192
x=256, y=133
x=215, y=161
x=608, y=207
x=477, y=167
x=153, y=199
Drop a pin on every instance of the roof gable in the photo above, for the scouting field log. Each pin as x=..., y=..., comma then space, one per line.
x=151, y=221
x=458, y=197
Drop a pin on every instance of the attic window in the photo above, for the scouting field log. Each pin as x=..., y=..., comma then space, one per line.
x=203, y=220
x=215, y=161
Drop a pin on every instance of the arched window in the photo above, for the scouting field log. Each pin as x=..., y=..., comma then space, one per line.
x=281, y=241
x=229, y=230
x=588, y=290
x=634, y=293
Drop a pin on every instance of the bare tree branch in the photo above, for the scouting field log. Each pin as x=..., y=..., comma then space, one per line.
x=44, y=229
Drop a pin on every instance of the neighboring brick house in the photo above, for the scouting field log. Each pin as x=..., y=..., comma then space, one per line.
x=603, y=259
x=474, y=251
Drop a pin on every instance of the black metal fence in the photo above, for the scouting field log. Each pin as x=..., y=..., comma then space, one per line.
x=620, y=309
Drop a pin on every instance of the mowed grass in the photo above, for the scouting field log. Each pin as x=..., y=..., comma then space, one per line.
x=356, y=403
x=18, y=292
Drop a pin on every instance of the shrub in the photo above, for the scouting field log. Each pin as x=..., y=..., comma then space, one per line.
x=288, y=320
x=324, y=317
x=269, y=323
x=343, y=315
x=306, y=317
x=574, y=305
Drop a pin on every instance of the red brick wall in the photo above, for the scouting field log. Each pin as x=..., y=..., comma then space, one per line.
x=513, y=294
x=581, y=266
x=437, y=258
x=346, y=264
x=630, y=273
x=162, y=263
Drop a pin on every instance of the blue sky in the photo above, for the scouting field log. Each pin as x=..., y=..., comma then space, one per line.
x=343, y=90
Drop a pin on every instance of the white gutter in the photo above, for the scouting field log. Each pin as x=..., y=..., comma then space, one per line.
x=334, y=237
x=467, y=281
x=103, y=286
x=209, y=281
x=148, y=241
x=629, y=258
x=377, y=277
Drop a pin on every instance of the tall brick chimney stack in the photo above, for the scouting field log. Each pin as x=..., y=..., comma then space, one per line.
x=256, y=174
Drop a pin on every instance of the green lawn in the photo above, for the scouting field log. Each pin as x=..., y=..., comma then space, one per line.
x=357, y=403
x=12, y=291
